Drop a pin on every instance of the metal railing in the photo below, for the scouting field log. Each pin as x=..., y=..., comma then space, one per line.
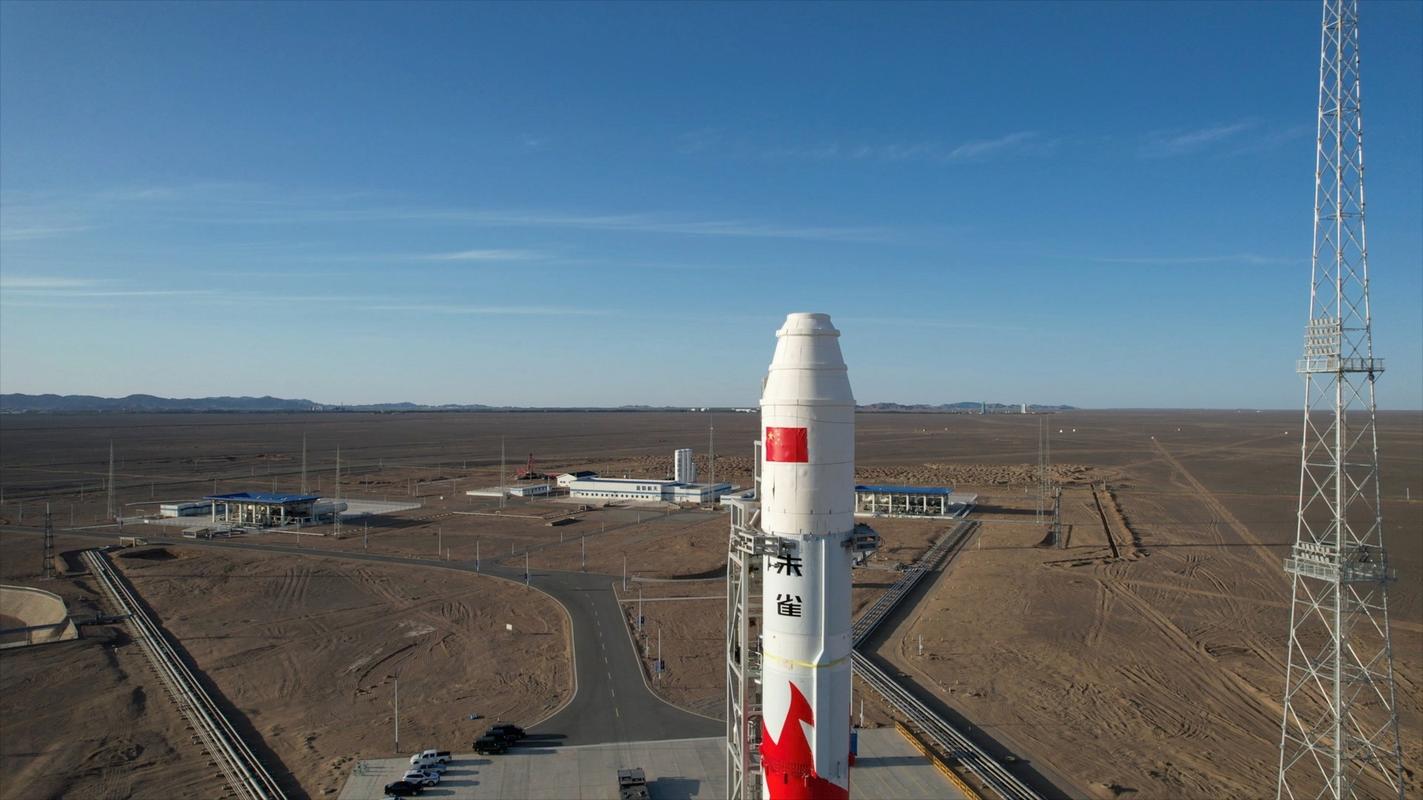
x=930, y=561
x=919, y=716
x=244, y=771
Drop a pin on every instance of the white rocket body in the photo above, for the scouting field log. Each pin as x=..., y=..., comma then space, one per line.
x=807, y=497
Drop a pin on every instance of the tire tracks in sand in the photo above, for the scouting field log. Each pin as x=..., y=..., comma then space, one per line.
x=1272, y=564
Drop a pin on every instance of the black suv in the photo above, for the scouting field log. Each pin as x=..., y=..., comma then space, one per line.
x=487, y=745
x=403, y=789
x=507, y=732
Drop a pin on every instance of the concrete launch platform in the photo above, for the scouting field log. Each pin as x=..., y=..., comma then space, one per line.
x=888, y=768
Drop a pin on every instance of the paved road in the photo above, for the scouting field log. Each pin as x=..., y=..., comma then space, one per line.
x=612, y=704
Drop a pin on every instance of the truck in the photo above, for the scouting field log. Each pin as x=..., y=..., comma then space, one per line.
x=426, y=758
x=632, y=784
x=491, y=745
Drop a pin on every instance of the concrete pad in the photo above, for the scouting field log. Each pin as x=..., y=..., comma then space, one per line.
x=888, y=768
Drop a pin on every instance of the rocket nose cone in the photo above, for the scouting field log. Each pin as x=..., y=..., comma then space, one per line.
x=808, y=324
x=807, y=365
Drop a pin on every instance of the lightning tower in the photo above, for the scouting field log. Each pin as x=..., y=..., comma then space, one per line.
x=1339, y=732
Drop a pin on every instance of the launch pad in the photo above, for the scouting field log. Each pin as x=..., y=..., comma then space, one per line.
x=687, y=769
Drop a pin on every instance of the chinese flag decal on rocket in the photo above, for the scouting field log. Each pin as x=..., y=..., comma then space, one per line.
x=787, y=444
x=788, y=764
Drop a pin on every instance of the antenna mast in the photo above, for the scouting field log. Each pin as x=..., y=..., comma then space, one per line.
x=109, y=512
x=1339, y=732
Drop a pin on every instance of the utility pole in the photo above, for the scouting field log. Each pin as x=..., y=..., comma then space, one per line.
x=502, y=487
x=303, y=462
x=439, y=540
x=639, y=611
x=110, y=512
x=1339, y=733
x=48, y=543
x=397, y=712
x=337, y=498
x=476, y=555
x=711, y=449
x=625, y=572
x=584, y=541
x=526, y=569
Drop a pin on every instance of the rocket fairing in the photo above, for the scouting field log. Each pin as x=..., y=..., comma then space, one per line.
x=807, y=500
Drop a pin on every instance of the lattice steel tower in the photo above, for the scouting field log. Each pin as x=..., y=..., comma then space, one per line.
x=1339, y=732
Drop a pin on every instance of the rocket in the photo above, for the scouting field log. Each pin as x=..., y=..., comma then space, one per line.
x=808, y=502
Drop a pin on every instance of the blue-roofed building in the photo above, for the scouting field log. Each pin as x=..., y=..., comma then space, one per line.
x=264, y=509
x=935, y=502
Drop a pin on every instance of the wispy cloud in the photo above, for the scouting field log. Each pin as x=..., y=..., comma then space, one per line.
x=486, y=255
x=20, y=234
x=32, y=282
x=530, y=311
x=1233, y=258
x=653, y=223
x=1169, y=144
x=244, y=205
x=59, y=293
x=1017, y=143
x=913, y=322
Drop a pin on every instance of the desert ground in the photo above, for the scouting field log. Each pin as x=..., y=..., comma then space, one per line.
x=1148, y=664
x=87, y=718
x=303, y=652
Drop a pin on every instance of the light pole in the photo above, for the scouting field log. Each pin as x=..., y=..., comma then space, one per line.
x=476, y=555
x=397, y=712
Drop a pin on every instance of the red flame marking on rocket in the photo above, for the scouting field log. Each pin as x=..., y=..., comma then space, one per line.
x=789, y=765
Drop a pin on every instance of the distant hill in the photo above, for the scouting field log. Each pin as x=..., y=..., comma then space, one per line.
x=147, y=403
x=134, y=403
x=70, y=403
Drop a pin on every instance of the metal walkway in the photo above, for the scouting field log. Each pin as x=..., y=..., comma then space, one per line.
x=919, y=716
x=245, y=773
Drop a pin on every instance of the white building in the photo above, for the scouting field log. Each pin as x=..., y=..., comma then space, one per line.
x=529, y=490
x=646, y=490
x=683, y=488
x=196, y=508
x=569, y=477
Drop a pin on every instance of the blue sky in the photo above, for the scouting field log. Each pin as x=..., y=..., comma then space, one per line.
x=1107, y=205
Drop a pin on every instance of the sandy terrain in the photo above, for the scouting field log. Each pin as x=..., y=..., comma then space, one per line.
x=1155, y=667
x=88, y=718
x=307, y=650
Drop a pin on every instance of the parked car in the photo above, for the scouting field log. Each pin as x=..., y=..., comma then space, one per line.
x=425, y=758
x=403, y=789
x=510, y=733
x=491, y=745
x=421, y=777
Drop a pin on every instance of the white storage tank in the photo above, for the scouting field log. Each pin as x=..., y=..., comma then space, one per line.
x=683, y=471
